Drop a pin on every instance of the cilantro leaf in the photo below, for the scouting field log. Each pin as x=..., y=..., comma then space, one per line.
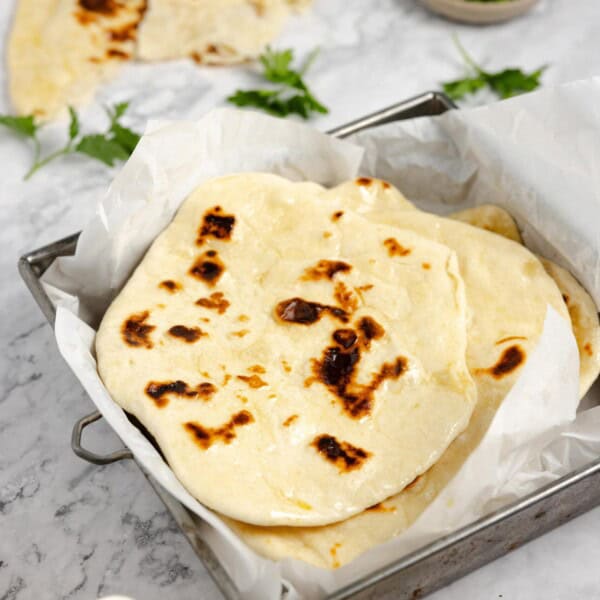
x=119, y=110
x=461, y=87
x=22, y=125
x=101, y=148
x=126, y=138
x=277, y=65
x=73, y=124
x=265, y=99
x=115, y=144
x=511, y=82
x=291, y=97
x=505, y=84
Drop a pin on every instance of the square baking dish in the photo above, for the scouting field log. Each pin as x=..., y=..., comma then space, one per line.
x=420, y=572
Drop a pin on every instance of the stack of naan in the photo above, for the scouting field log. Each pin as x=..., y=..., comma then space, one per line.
x=61, y=50
x=316, y=364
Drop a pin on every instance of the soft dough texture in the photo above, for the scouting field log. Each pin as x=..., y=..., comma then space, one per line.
x=492, y=218
x=61, y=50
x=212, y=31
x=269, y=407
x=507, y=293
x=582, y=310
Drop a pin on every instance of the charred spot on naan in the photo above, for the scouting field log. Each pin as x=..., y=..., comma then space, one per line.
x=370, y=330
x=136, y=330
x=345, y=337
x=303, y=312
x=254, y=381
x=510, y=338
x=343, y=455
x=170, y=286
x=205, y=437
x=216, y=301
x=364, y=181
x=335, y=561
x=395, y=248
x=345, y=297
x=588, y=349
x=241, y=333
x=290, y=420
x=208, y=268
x=510, y=360
x=117, y=54
x=215, y=224
x=257, y=369
x=187, y=334
x=337, y=368
x=382, y=508
x=89, y=11
x=337, y=215
x=326, y=269
x=426, y=266
x=160, y=390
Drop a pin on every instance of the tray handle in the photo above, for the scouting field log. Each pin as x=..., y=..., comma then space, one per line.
x=92, y=457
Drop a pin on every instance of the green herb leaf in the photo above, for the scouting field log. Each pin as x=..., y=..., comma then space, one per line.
x=461, y=87
x=293, y=95
x=511, y=82
x=22, y=125
x=119, y=110
x=126, y=138
x=505, y=84
x=73, y=124
x=101, y=148
x=277, y=64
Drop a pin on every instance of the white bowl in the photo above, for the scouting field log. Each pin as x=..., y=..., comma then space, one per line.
x=479, y=12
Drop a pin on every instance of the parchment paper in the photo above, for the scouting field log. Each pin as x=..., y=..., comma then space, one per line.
x=538, y=156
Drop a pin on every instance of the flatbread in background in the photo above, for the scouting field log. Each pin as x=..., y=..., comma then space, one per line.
x=507, y=291
x=61, y=50
x=294, y=364
x=584, y=320
x=582, y=309
x=217, y=32
x=492, y=218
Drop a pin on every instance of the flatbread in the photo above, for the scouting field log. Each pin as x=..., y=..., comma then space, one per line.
x=507, y=292
x=217, y=32
x=492, y=218
x=582, y=309
x=295, y=365
x=61, y=50
x=584, y=320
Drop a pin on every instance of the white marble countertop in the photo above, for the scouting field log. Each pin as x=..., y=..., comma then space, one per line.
x=72, y=530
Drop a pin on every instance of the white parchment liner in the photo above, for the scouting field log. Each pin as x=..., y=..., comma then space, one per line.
x=537, y=155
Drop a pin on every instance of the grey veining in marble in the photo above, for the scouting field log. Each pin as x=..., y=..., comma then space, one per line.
x=72, y=530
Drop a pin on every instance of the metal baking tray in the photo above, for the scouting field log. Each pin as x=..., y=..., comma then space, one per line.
x=430, y=567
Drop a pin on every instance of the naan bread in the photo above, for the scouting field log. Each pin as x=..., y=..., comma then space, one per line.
x=492, y=218
x=582, y=310
x=217, y=32
x=295, y=363
x=584, y=320
x=61, y=50
x=507, y=293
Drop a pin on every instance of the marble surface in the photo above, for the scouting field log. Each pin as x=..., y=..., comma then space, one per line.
x=72, y=530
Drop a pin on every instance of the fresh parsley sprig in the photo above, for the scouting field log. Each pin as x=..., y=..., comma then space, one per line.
x=116, y=143
x=291, y=97
x=506, y=83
